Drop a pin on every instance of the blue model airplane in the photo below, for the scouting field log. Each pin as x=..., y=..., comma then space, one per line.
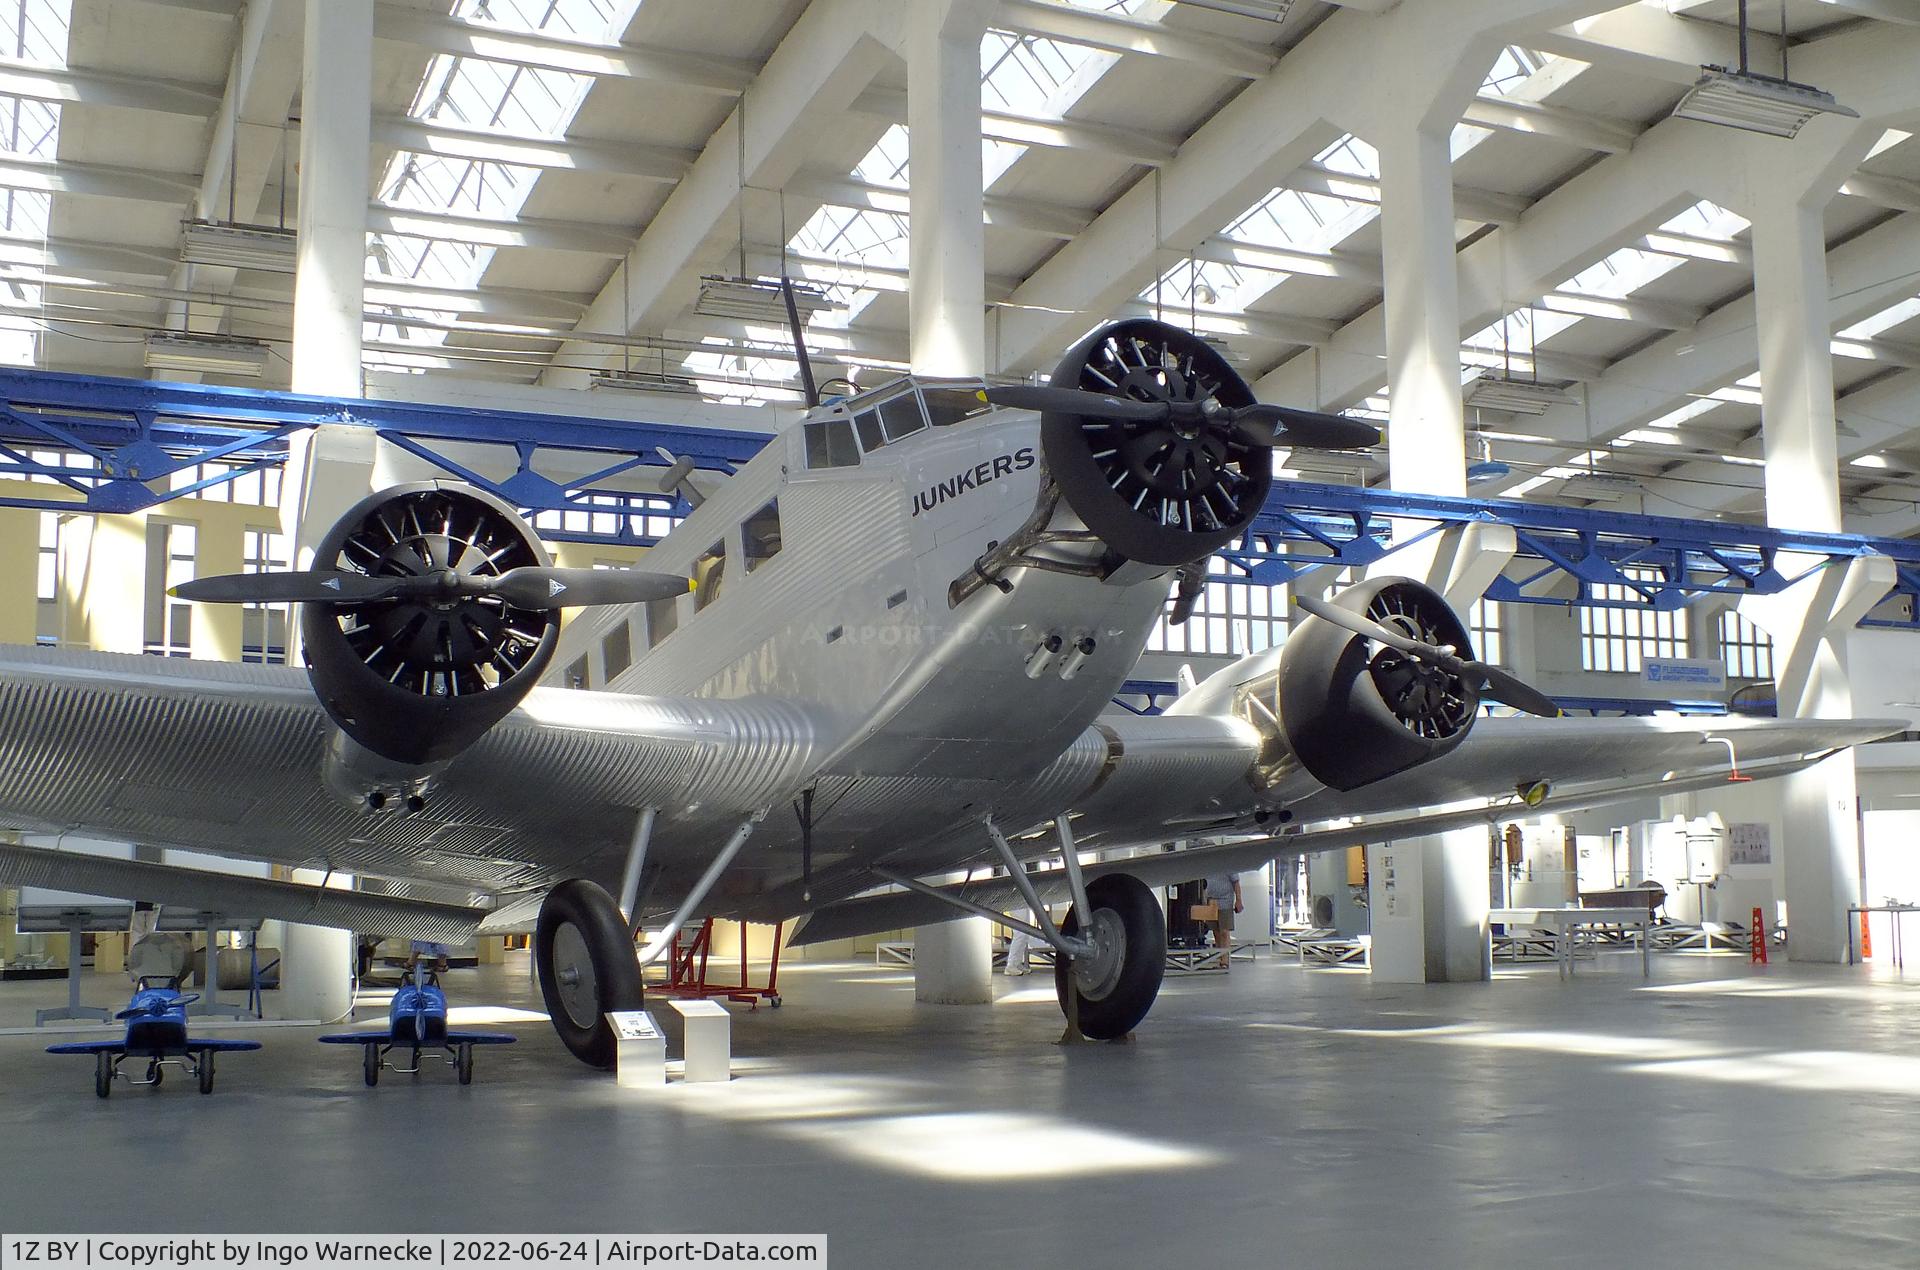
x=156, y=1031
x=417, y=1020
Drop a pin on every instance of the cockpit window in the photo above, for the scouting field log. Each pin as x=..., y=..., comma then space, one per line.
x=902, y=417
x=830, y=444
x=867, y=424
x=948, y=406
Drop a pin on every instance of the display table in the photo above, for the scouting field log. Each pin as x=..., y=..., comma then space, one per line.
x=1563, y=923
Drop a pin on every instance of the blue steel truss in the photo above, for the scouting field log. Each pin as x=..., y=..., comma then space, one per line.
x=131, y=439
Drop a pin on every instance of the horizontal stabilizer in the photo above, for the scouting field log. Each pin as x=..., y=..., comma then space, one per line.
x=381, y=916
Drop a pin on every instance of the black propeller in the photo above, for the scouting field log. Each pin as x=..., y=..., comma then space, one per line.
x=1489, y=681
x=527, y=587
x=1259, y=423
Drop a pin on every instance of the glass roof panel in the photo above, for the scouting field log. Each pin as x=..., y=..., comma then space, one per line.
x=32, y=31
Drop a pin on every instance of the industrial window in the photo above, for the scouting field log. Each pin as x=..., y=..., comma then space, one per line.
x=47, y=629
x=948, y=406
x=709, y=571
x=170, y=560
x=1486, y=623
x=616, y=652
x=1231, y=617
x=263, y=627
x=1747, y=649
x=760, y=536
x=575, y=675
x=830, y=444
x=663, y=618
x=1619, y=628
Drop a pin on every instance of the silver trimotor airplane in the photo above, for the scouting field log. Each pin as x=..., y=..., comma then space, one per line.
x=876, y=661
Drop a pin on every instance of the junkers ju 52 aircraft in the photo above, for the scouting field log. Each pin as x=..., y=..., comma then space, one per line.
x=874, y=660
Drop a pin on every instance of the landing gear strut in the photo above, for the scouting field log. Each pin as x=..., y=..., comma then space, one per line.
x=587, y=967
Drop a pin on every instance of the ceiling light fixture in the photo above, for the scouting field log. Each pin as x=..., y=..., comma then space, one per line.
x=264, y=247
x=1494, y=391
x=207, y=355
x=759, y=299
x=1752, y=102
x=646, y=381
x=1271, y=10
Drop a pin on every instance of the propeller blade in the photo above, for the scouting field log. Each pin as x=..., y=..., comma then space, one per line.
x=534, y=587
x=1510, y=690
x=1492, y=682
x=1361, y=624
x=1076, y=401
x=314, y=586
x=1305, y=429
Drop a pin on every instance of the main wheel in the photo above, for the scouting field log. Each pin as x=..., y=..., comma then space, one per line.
x=371, y=1065
x=206, y=1072
x=463, y=1064
x=587, y=967
x=1116, y=984
x=154, y=1073
x=103, y=1076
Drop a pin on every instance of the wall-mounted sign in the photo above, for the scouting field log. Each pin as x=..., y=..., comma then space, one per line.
x=1749, y=844
x=1694, y=673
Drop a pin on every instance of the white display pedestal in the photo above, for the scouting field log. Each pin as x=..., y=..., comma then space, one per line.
x=708, y=1042
x=640, y=1054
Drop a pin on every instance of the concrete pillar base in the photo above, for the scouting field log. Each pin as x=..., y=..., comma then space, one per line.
x=953, y=963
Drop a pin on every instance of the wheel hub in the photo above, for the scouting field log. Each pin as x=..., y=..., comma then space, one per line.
x=1097, y=972
x=573, y=977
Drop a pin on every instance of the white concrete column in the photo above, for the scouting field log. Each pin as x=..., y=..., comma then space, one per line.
x=1428, y=898
x=316, y=963
x=1426, y=430
x=946, y=248
x=953, y=963
x=335, y=125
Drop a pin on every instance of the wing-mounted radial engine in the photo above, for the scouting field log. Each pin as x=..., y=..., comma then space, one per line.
x=1156, y=453
x=431, y=611
x=1379, y=679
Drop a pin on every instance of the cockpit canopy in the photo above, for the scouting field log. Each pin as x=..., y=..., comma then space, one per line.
x=839, y=433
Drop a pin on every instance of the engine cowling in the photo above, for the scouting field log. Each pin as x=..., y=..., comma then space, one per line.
x=414, y=681
x=1351, y=711
x=1166, y=493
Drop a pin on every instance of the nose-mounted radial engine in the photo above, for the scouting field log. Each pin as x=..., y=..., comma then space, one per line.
x=1157, y=455
x=430, y=613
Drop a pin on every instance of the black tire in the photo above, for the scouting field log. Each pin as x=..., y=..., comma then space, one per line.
x=587, y=923
x=155, y=1074
x=1119, y=1009
x=463, y=1064
x=103, y=1077
x=206, y=1072
x=371, y=1065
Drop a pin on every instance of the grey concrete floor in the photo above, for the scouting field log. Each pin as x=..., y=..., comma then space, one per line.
x=1715, y=1116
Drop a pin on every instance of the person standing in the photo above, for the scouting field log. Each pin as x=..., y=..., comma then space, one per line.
x=1223, y=891
x=1021, y=945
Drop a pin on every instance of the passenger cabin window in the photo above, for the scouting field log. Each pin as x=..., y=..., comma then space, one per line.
x=760, y=536
x=708, y=573
x=830, y=444
x=616, y=651
x=948, y=406
x=663, y=617
x=575, y=676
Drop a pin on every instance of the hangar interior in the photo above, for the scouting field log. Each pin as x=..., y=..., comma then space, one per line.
x=1631, y=290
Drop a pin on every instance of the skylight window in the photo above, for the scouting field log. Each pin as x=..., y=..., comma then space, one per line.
x=30, y=31
x=479, y=95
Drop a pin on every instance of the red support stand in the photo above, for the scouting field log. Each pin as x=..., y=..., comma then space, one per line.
x=1757, y=945
x=687, y=966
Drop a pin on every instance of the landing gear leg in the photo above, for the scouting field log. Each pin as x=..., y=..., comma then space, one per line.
x=587, y=966
x=1108, y=990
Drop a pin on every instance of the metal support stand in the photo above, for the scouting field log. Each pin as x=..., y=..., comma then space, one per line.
x=210, y=1006
x=73, y=1009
